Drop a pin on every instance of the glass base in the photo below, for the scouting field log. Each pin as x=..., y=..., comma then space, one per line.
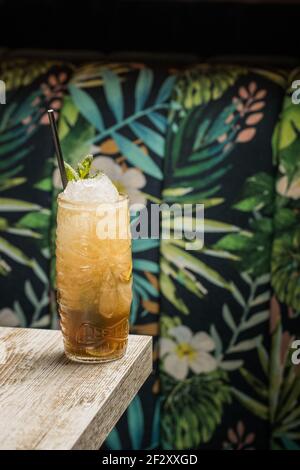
x=93, y=359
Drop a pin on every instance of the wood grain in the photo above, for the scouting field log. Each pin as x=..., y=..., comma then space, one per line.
x=48, y=402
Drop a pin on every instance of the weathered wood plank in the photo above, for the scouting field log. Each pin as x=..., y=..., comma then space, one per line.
x=48, y=402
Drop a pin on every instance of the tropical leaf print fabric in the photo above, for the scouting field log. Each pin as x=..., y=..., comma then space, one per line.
x=118, y=112
x=223, y=317
x=26, y=167
x=215, y=340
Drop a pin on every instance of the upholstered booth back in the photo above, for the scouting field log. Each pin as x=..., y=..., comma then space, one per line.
x=223, y=317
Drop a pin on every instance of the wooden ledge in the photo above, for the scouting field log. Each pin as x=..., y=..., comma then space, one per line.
x=48, y=402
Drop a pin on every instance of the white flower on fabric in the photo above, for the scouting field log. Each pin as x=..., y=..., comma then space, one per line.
x=187, y=351
x=129, y=181
x=8, y=317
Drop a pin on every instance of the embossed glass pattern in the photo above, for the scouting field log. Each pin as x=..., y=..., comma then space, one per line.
x=94, y=278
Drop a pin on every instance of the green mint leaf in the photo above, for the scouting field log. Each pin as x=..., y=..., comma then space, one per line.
x=84, y=166
x=72, y=175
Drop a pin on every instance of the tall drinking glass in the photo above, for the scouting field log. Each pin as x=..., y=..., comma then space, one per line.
x=94, y=278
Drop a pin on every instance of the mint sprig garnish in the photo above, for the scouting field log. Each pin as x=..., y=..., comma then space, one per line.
x=84, y=166
x=72, y=174
x=82, y=171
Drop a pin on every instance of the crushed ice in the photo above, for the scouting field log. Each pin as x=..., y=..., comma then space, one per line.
x=99, y=189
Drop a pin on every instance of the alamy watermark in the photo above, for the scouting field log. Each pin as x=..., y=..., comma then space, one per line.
x=3, y=353
x=158, y=221
x=296, y=92
x=296, y=354
x=295, y=97
x=2, y=92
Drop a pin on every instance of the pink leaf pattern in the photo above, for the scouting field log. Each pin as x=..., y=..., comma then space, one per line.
x=254, y=119
x=248, y=103
x=238, y=439
x=246, y=135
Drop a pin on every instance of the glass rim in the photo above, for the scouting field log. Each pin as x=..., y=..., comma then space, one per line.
x=90, y=204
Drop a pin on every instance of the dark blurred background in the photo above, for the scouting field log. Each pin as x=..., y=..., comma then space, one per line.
x=196, y=27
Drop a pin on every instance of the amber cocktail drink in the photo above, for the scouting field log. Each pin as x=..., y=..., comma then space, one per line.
x=94, y=277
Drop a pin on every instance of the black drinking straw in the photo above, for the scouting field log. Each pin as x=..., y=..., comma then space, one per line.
x=59, y=154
